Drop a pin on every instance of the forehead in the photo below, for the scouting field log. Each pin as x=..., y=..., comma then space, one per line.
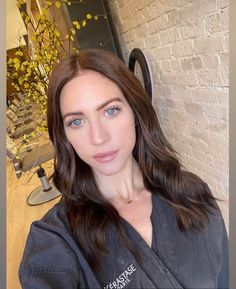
x=89, y=89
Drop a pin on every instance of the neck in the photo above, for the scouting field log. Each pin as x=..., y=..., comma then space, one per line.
x=121, y=187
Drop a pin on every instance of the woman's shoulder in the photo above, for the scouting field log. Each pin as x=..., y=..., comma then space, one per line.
x=56, y=216
x=165, y=212
x=46, y=237
x=49, y=241
x=213, y=236
x=52, y=229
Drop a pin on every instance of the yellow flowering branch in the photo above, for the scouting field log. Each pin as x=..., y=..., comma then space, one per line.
x=29, y=70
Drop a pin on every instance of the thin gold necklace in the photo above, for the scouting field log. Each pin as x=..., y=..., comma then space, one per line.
x=128, y=201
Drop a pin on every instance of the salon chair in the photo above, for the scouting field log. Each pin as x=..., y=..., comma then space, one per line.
x=25, y=122
x=19, y=128
x=35, y=156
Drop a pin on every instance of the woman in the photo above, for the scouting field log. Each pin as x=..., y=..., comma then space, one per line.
x=130, y=216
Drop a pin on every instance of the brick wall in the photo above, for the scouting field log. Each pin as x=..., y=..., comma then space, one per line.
x=186, y=43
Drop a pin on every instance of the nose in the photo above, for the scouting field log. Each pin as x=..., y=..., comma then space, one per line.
x=98, y=133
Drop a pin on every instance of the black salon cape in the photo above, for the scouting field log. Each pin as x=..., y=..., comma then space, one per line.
x=53, y=260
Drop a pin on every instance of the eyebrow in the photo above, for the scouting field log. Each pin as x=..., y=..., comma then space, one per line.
x=101, y=106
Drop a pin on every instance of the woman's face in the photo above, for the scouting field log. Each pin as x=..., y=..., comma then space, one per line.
x=98, y=122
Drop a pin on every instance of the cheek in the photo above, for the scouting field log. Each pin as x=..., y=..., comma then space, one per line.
x=126, y=133
x=79, y=144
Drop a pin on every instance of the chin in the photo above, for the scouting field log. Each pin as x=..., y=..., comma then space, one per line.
x=110, y=169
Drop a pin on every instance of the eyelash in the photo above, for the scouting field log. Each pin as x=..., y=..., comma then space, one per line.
x=116, y=108
x=69, y=123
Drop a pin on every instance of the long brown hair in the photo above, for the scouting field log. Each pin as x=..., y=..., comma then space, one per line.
x=89, y=213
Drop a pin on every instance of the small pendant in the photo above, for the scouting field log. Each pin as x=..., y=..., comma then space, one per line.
x=129, y=201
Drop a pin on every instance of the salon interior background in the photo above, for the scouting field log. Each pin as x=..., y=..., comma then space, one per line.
x=186, y=44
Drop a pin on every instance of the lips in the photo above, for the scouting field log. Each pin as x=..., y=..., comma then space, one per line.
x=105, y=157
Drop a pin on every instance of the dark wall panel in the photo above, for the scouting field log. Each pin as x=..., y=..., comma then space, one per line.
x=97, y=33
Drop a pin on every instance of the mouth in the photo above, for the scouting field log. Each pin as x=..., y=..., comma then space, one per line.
x=106, y=156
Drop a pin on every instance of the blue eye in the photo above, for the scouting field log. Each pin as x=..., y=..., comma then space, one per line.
x=112, y=111
x=76, y=122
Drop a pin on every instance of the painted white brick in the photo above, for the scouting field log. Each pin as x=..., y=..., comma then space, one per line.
x=209, y=6
x=183, y=93
x=169, y=36
x=223, y=3
x=192, y=30
x=194, y=108
x=161, y=22
x=163, y=90
x=201, y=121
x=200, y=134
x=141, y=18
x=210, y=61
x=197, y=165
x=188, y=31
x=213, y=23
x=162, y=53
x=124, y=27
x=197, y=63
x=173, y=35
x=165, y=65
x=217, y=78
x=209, y=44
x=212, y=111
x=208, y=159
x=180, y=115
x=132, y=7
x=215, y=149
x=164, y=36
x=174, y=18
x=212, y=78
x=222, y=96
x=175, y=65
x=188, y=47
x=186, y=64
x=133, y=23
x=185, y=79
x=225, y=78
x=121, y=3
x=140, y=4
x=217, y=173
x=140, y=32
x=217, y=125
x=200, y=27
x=178, y=3
x=125, y=13
x=149, y=13
x=162, y=6
x=178, y=50
x=170, y=103
x=206, y=96
x=224, y=59
x=218, y=138
x=180, y=147
x=191, y=11
x=226, y=41
x=152, y=26
x=152, y=41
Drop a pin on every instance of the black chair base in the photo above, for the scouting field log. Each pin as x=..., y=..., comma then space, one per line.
x=39, y=196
